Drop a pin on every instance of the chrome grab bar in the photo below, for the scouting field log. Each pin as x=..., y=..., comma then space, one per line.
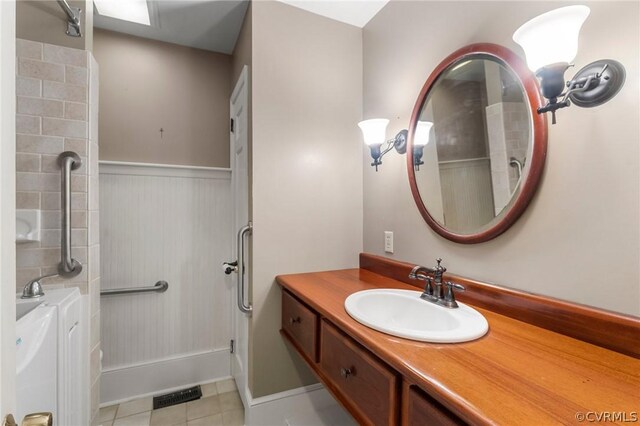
x=247, y=309
x=159, y=287
x=514, y=162
x=68, y=266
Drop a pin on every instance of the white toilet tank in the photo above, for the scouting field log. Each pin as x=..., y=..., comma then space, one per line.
x=52, y=358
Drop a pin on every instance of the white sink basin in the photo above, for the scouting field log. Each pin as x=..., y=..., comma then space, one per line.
x=402, y=313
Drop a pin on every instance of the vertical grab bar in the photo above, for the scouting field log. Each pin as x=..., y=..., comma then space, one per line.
x=68, y=267
x=514, y=162
x=247, y=309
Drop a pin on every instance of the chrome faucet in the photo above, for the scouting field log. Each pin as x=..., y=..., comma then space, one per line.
x=33, y=288
x=433, y=289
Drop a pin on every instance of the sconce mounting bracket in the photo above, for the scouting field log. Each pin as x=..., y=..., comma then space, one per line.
x=610, y=79
x=400, y=141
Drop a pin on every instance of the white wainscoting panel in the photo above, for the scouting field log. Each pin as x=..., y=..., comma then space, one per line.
x=161, y=377
x=164, y=223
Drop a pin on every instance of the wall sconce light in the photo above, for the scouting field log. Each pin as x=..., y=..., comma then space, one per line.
x=374, y=132
x=550, y=43
x=423, y=130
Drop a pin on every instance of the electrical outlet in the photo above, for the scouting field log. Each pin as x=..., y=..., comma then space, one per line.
x=388, y=241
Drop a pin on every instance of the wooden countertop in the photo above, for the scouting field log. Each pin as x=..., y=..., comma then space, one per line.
x=516, y=374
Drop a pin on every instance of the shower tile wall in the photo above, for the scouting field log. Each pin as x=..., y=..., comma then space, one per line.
x=508, y=131
x=57, y=110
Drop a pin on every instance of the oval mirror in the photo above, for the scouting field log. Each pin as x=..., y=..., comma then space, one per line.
x=477, y=145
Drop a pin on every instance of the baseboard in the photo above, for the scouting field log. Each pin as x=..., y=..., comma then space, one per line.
x=309, y=405
x=125, y=383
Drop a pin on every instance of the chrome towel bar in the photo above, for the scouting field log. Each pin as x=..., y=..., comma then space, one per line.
x=159, y=287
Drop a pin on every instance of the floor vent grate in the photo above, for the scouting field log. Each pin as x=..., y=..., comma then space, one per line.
x=177, y=397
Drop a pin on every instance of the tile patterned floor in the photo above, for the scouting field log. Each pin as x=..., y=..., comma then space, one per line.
x=220, y=405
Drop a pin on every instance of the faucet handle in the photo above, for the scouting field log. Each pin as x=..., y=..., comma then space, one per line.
x=449, y=299
x=429, y=292
x=457, y=286
x=428, y=288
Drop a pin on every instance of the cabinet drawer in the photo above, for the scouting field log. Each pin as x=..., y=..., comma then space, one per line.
x=301, y=324
x=421, y=409
x=365, y=383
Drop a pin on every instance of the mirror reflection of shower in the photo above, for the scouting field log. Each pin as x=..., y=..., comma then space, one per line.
x=471, y=142
x=518, y=165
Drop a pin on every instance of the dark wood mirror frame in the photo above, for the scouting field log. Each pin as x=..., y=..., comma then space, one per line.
x=539, y=138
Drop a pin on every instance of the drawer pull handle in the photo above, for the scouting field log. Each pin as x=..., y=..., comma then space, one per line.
x=346, y=372
x=293, y=321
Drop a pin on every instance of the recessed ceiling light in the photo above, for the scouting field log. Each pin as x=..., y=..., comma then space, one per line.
x=127, y=10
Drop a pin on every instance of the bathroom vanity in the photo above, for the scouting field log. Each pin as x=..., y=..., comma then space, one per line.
x=543, y=361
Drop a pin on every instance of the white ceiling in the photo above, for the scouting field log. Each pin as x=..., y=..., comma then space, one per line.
x=354, y=12
x=210, y=25
x=215, y=24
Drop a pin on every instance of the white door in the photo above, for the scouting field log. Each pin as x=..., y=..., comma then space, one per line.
x=240, y=190
x=7, y=209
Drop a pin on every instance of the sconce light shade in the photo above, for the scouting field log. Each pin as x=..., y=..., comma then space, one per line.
x=423, y=128
x=420, y=140
x=550, y=43
x=374, y=131
x=552, y=37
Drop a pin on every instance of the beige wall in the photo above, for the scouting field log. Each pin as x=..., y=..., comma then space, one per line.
x=147, y=85
x=307, y=169
x=579, y=238
x=44, y=21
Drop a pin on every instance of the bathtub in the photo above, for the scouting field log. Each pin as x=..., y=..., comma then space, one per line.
x=36, y=360
x=52, y=357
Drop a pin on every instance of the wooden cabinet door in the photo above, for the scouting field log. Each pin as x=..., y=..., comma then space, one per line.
x=301, y=324
x=419, y=409
x=365, y=383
